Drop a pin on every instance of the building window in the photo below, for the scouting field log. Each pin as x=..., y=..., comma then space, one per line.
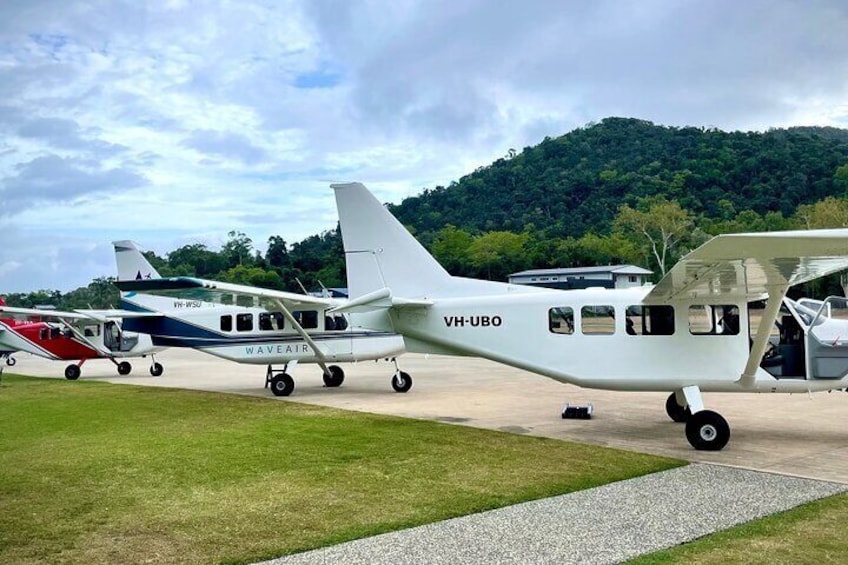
x=561, y=320
x=632, y=278
x=227, y=323
x=244, y=322
x=721, y=319
x=597, y=320
x=271, y=321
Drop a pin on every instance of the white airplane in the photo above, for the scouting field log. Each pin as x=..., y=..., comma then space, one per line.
x=693, y=332
x=249, y=325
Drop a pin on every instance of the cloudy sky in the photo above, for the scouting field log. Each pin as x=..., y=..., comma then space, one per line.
x=176, y=122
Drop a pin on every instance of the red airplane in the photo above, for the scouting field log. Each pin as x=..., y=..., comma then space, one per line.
x=92, y=335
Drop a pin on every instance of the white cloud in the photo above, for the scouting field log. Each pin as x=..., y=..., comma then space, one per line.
x=167, y=121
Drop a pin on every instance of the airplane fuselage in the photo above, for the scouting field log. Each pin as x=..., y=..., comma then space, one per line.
x=597, y=350
x=254, y=335
x=52, y=341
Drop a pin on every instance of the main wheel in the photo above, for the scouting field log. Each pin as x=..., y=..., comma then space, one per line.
x=72, y=372
x=401, y=382
x=675, y=411
x=156, y=369
x=282, y=384
x=10, y=361
x=124, y=368
x=707, y=431
x=335, y=377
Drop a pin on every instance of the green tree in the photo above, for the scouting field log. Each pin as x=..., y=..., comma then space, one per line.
x=238, y=250
x=450, y=248
x=828, y=213
x=498, y=253
x=659, y=227
x=277, y=254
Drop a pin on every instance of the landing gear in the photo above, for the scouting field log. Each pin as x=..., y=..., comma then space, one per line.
x=282, y=384
x=72, y=372
x=335, y=377
x=707, y=431
x=279, y=381
x=124, y=368
x=675, y=411
x=10, y=361
x=401, y=382
x=156, y=369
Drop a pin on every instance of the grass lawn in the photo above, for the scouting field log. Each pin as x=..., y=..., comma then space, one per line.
x=810, y=534
x=98, y=473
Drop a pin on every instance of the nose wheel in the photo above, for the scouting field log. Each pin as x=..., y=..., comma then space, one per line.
x=401, y=382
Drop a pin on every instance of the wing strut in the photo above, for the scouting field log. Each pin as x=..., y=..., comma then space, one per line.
x=78, y=334
x=758, y=347
x=320, y=357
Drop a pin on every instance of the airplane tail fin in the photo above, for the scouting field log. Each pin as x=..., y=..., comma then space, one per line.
x=379, y=252
x=2, y=301
x=132, y=265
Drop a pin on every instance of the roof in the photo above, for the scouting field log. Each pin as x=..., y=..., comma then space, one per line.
x=617, y=269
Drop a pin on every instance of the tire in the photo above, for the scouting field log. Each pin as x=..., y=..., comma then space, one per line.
x=282, y=385
x=401, y=382
x=676, y=412
x=156, y=369
x=707, y=431
x=10, y=361
x=72, y=372
x=335, y=377
x=124, y=368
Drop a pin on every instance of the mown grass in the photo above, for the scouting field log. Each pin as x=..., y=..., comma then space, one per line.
x=810, y=534
x=99, y=473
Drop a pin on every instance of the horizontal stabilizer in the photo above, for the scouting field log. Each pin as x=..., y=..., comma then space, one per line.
x=379, y=300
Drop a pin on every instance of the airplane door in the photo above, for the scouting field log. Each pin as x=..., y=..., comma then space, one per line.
x=827, y=338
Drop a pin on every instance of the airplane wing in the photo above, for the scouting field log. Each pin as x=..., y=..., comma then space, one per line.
x=753, y=265
x=75, y=315
x=223, y=293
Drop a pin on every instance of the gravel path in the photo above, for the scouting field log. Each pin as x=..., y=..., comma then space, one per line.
x=607, y=524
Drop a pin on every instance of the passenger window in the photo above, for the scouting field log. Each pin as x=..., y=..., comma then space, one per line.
x=43, y=334
x=720, y=319
x=597, y=320
x=561, y=320
x=271, y=321
x=335, y=322
x=649, y=320
x=227, y=323
x=244, y=322
x=308, y=319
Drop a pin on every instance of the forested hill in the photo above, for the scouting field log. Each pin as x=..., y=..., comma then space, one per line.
x=576, y=183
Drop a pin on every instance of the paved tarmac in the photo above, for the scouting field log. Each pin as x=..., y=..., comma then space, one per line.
x=802, y=434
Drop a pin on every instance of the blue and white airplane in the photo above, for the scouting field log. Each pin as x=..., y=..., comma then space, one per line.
x=248, y=324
